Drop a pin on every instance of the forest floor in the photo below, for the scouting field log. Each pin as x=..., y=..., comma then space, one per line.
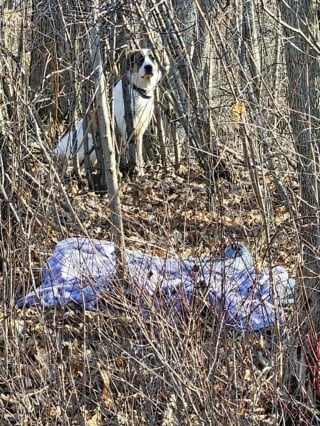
x=118, y=370
x=167, y=212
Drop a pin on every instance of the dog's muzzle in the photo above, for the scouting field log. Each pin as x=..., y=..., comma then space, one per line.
x=148, y=70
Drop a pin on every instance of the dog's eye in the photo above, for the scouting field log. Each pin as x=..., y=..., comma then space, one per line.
x=151, y=57
x=137, y=59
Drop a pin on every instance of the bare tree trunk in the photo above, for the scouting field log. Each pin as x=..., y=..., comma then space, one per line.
x=127, y=99
x=302, y=29
x=188, y=74
x=53, y=58
x=107, y=141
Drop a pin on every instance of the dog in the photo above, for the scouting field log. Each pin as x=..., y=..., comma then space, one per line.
x=144, y=75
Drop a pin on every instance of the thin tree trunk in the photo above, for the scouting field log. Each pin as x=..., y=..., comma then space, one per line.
x=127, y=99
x=301, y=28
x=303, y=98
x=53, y=58
x=107, y=141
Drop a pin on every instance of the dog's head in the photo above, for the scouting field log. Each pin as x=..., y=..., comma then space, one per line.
x=144, y=69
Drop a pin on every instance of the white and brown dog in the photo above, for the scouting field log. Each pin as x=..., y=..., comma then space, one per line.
x=143, y=76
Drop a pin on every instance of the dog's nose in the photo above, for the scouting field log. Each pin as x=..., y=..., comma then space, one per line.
x=148, y=69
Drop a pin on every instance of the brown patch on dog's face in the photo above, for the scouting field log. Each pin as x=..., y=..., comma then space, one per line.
x=136, y=60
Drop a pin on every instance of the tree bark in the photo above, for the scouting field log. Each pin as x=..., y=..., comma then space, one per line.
x=301, y=28
x=53, y=58
x=107, y=141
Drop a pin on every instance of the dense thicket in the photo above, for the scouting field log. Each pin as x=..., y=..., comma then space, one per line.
x=233, y=153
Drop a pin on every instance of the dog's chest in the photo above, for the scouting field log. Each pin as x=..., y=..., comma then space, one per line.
x=142, y=110
x=141, y=107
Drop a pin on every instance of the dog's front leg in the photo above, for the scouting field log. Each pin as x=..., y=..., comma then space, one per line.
x=139, y=155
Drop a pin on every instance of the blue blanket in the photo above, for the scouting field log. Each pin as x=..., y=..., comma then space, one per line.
x=82, y=271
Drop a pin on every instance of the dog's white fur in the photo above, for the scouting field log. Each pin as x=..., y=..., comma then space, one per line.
x=143, y=75
x=72, y=143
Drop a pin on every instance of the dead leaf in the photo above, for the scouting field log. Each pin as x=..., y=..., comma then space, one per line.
x=106, y=395
x=55, y=411
x=238, y=110
x=94, y=420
